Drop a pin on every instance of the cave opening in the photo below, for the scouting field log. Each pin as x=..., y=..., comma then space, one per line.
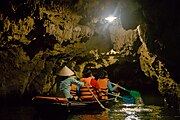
x=130, y=76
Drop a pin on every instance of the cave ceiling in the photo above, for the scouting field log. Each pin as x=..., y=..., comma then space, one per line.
x=51, y=19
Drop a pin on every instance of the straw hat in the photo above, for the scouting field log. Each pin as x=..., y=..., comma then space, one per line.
x=65, y=71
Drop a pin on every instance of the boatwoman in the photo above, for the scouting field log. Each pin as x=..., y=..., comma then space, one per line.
x=66, y=80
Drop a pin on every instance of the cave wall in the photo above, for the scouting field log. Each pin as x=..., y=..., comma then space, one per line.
x=35, y=45
x=159, y=52
x=156, y=70
x=37, y=38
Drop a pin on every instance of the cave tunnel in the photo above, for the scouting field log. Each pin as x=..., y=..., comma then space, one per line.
x=135, y=41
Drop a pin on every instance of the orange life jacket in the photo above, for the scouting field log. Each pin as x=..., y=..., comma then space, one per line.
x=73, y=91
x=85, y=93
x=103, y=88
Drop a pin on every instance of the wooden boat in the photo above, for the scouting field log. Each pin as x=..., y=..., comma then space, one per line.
x=63, y=105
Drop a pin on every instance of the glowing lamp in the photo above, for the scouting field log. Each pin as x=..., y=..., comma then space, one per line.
x=110, y=18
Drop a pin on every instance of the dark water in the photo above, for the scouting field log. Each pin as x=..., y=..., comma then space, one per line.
x=117, y=111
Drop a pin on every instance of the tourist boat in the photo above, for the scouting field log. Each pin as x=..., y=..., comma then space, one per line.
x=62, y=104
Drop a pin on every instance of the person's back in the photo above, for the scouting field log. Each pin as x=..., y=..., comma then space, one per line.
x=90, y=85
x=104, y=84
x=103, y=88
x=66, y=81
x=87, y=81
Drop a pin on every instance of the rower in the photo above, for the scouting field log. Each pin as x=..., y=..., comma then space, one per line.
x=92, y=84
x=104, y=84
x=66, y=81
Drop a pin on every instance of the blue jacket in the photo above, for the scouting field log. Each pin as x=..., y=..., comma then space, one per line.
x=65, y=86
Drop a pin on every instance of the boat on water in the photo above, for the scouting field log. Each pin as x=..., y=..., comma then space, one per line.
x=62, y=104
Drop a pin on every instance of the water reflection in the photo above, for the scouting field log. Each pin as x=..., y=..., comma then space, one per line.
x=90, y=116
x=117, y=111
x=123, y=112
x=147, y=112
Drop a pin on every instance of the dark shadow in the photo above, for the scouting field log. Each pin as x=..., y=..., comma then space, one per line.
x=40, y=40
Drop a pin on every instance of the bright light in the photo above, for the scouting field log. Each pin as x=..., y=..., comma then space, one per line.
x=110, y=18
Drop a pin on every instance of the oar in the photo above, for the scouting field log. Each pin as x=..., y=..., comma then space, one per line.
x=133, y=93
x=126, y=99
x=102, y=106
x=47, y=93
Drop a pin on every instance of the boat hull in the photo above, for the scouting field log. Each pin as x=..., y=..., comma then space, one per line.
x=63, y=105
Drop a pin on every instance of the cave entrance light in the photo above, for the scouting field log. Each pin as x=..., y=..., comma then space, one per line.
x=110, y=18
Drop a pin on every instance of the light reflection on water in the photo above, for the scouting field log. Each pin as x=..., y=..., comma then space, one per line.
x=123, y=112
x=116, y=112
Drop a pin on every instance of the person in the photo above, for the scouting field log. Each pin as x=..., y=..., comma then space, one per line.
x=66, y=81
x=88, y=79
x=104, y=84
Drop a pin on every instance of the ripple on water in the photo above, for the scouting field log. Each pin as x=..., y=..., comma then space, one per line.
x=116, y=112
x=145, y=112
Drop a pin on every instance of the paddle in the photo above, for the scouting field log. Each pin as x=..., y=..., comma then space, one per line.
x=47, y=93
x=133, y=93
x=126, y=99
x=102, y=106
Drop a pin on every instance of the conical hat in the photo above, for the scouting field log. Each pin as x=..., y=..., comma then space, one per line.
x=65, y=71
